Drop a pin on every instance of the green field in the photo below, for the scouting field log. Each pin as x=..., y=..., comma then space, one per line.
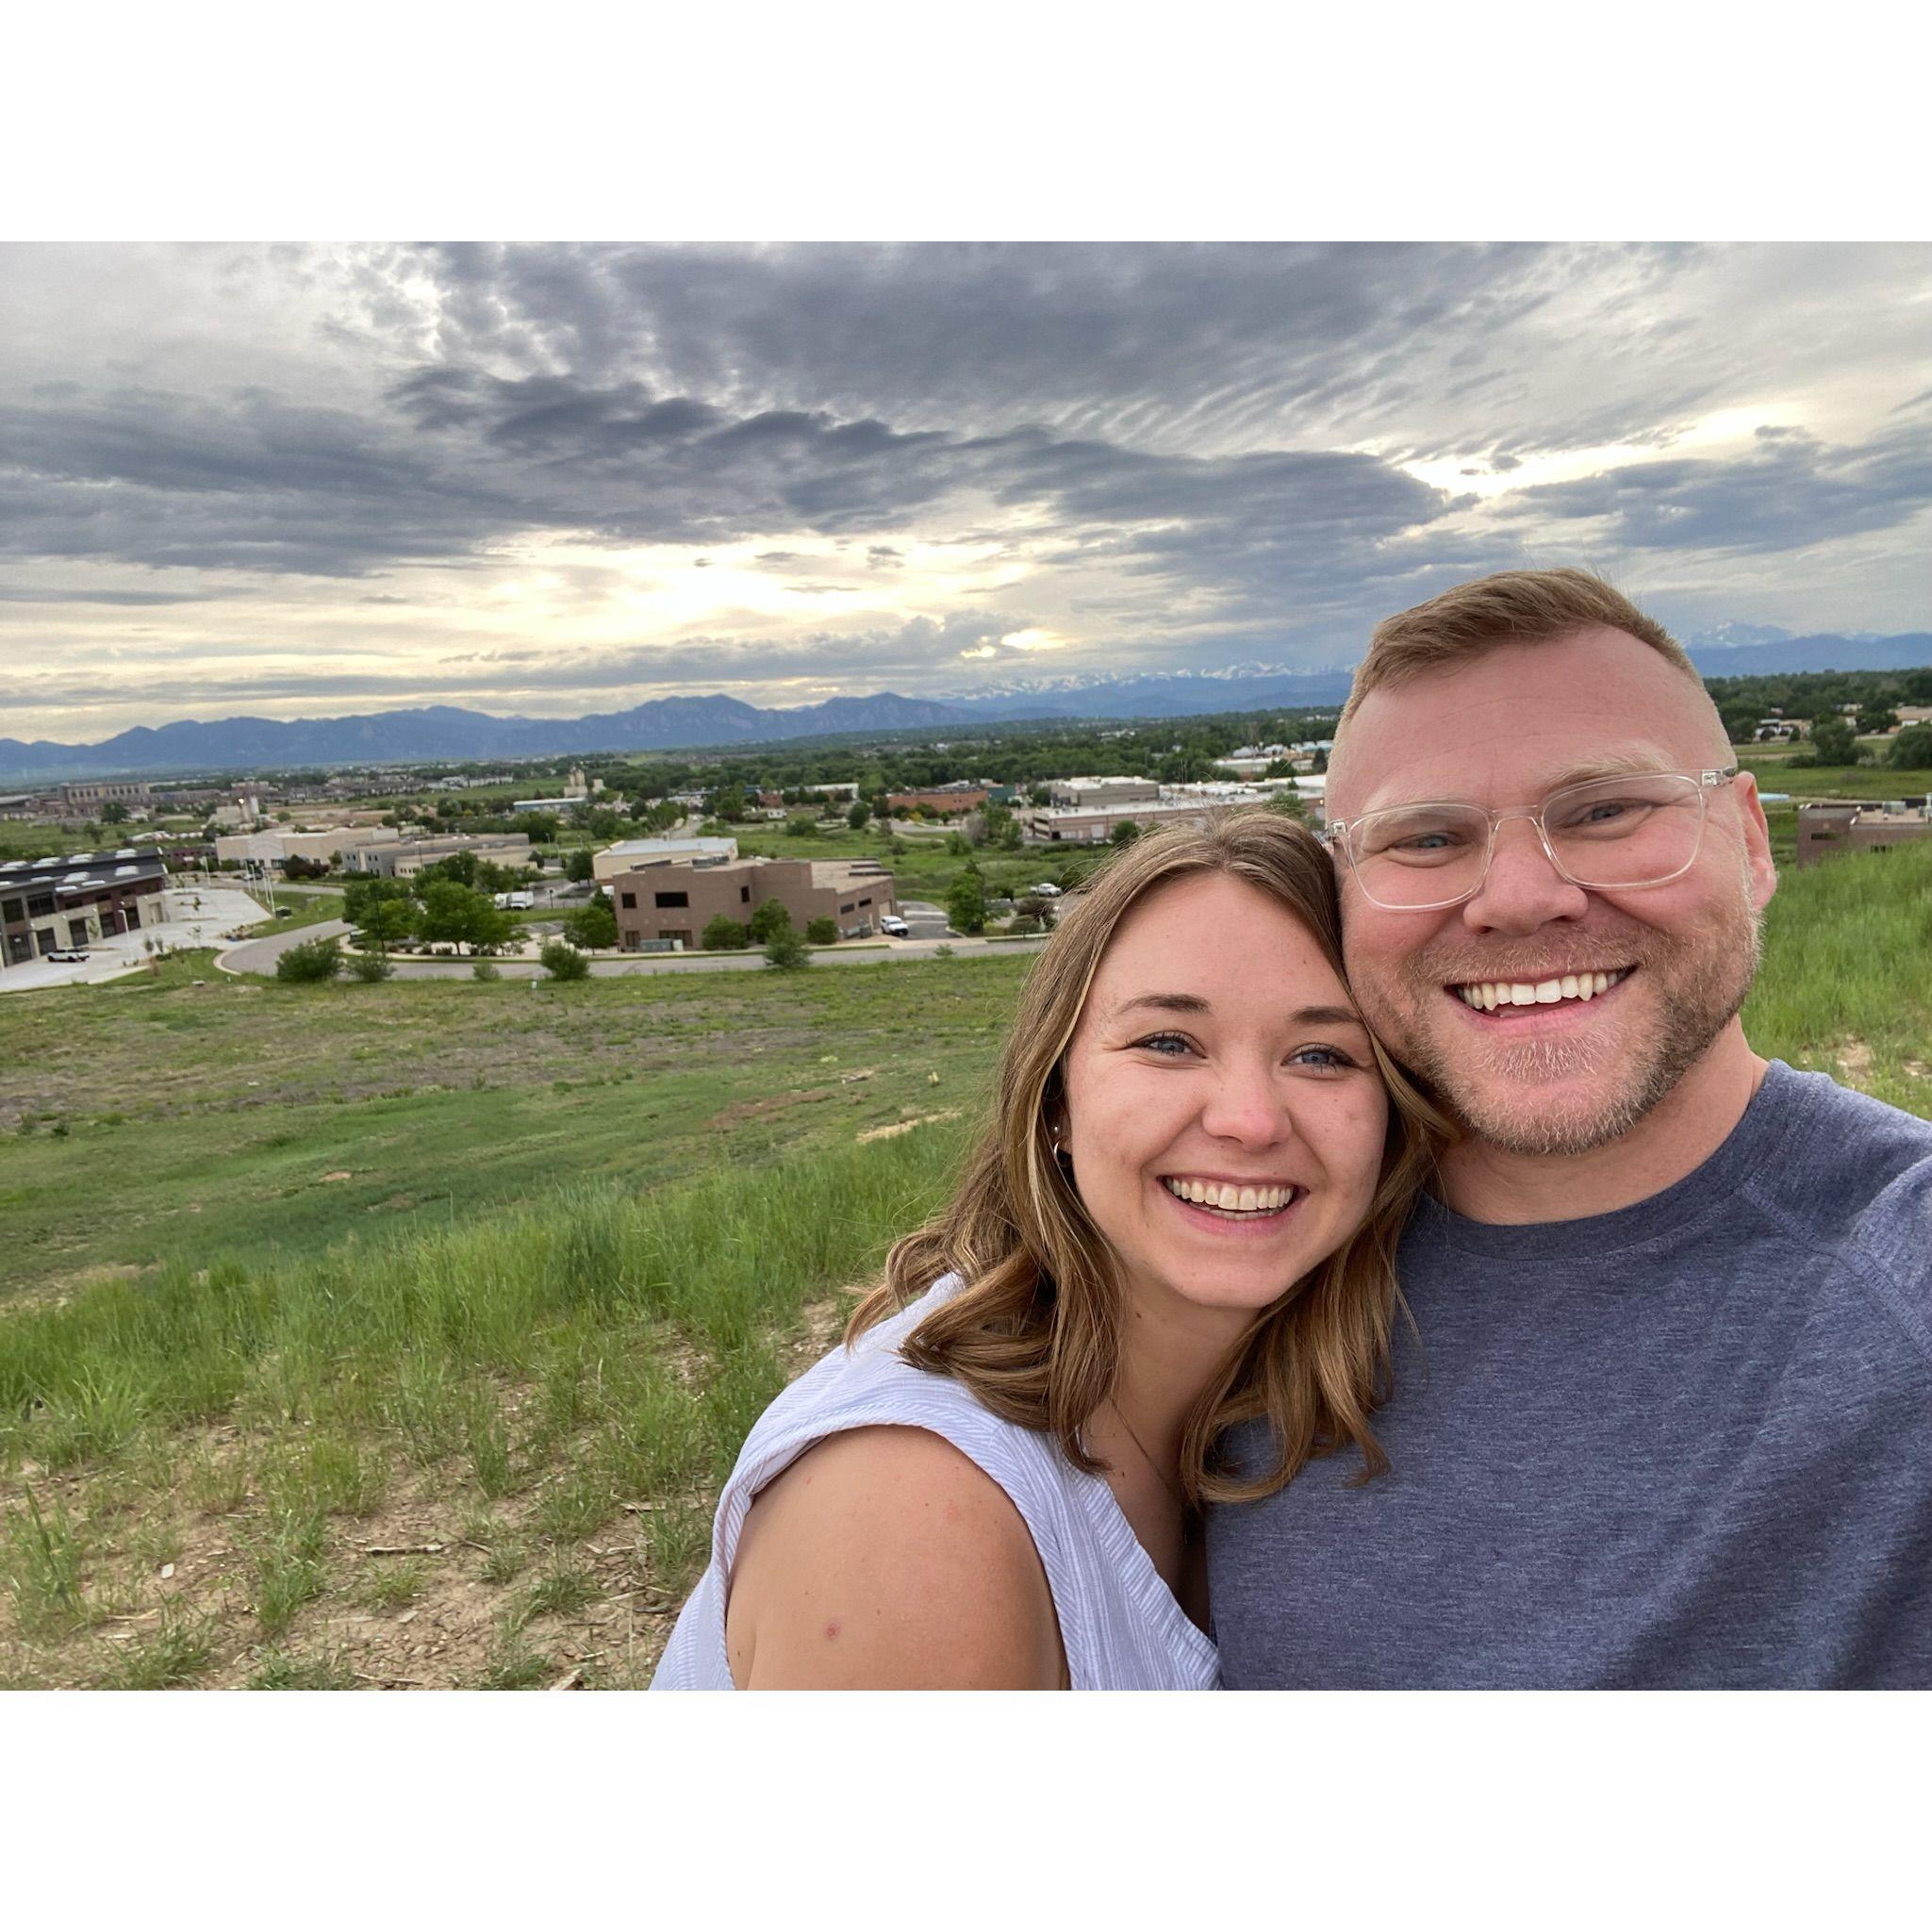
x=401, y=1334
x=155, y=1119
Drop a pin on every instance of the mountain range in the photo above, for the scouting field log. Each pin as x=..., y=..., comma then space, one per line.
x=444, y=731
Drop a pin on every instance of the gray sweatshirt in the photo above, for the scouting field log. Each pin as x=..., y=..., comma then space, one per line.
x=1687, y=1444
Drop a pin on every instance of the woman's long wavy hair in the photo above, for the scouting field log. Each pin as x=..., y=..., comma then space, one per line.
x=1035, y=1331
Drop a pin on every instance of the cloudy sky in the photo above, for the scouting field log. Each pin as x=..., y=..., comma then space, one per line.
x=550, y=479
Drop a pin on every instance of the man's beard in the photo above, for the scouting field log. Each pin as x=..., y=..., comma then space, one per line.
x=1694, y=989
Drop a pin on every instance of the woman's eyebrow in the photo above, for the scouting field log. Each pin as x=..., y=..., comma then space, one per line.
x=1193, y=1002
x=1166, y=1003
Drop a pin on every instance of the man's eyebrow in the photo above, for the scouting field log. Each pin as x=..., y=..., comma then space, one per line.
x=1610, y=764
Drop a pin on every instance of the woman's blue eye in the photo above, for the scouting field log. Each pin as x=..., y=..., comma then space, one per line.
x=1324, y=1056
x=1169, y=1044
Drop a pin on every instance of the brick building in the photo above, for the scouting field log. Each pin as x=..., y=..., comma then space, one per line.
x=1844, y=827
x=960, y=796
x=50, y=904
x=673, y=903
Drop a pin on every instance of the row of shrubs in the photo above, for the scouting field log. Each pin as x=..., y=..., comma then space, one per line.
x=318, y=959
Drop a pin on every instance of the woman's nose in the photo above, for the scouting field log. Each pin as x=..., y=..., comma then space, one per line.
x=1247, y=1105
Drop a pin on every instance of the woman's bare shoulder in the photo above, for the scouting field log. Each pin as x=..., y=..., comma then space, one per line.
x=885, y=1558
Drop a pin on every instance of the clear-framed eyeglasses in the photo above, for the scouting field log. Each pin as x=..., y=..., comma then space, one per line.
x=1610, y=835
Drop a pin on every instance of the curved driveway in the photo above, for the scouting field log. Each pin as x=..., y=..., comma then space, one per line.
x=259, y=956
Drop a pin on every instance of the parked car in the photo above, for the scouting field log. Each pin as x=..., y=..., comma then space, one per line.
x=893, y=928
x=71, y=955
x=514, y=901
x=1047, y=890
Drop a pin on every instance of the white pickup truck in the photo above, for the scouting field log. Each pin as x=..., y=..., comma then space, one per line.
x=514, y=901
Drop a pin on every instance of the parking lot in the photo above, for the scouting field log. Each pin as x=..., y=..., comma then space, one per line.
x=193, y=915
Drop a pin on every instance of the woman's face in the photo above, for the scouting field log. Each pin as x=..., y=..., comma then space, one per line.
x=1218, y=1059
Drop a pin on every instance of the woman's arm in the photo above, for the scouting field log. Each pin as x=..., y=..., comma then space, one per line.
x=884, y=1559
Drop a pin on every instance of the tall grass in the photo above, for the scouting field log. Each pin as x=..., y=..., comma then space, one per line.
x=396, y=1338
x=1847, y=978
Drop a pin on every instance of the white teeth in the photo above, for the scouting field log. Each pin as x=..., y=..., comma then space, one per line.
x=1231, y=1200
x=1485, y=996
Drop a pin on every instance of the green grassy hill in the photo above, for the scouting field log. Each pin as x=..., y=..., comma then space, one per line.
x=401, y=1334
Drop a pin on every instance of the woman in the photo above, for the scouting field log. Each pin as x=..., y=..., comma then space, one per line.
x=1183, y=1215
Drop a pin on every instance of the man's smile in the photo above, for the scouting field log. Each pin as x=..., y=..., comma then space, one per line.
x=1513, y=995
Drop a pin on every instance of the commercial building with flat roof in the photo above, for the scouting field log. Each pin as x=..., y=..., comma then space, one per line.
x=47, y=905
x=634, y=854
x=405, y=858
x=1843, y=826
x=1102, y=791
x=273, y=848
x=673, y=903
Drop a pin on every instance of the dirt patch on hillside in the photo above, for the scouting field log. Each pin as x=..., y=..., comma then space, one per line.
x=768, y=1106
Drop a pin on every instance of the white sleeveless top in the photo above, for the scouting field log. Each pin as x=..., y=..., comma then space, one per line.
x=1119, y=1623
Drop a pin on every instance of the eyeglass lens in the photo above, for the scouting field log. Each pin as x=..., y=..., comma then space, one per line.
x=1612, y=832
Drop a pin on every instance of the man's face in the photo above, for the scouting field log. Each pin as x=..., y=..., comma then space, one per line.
x=1503, y=732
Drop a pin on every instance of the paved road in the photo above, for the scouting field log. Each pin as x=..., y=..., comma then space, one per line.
x=259, y=956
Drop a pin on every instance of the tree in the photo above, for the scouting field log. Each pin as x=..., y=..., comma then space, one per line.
x=785, y=949
x=801, y=826
x=459, y=869
x=563, y=962
x=296, y=866
x=1287, y=802
x=1740, y=723
x=114, y=813
x=728, y=803
x=1876, y=717
x=382, y=910
x=455, y=915
x=965, y=904
x=314, y=959
x=822, y=931
x=578, y=865
x=1832, y=743
x=490, y=926
x=1124, y=833
x=857, y=814
x=594, y=926
x=723, y=935
x=770, y=919
x=1912, y=751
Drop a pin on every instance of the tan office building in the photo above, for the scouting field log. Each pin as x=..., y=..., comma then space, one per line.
x=672, y=904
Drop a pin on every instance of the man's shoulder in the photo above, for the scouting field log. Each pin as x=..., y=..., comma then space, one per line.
x=1855, y=1184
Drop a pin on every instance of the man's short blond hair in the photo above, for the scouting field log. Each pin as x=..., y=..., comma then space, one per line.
x=1511, y=607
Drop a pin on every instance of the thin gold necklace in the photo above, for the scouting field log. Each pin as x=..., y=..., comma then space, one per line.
x=1172, y=1487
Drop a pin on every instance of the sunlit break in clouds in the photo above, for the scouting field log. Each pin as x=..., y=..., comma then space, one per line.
x=550, y=480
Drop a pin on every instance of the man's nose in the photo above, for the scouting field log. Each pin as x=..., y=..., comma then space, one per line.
x=1523, y=889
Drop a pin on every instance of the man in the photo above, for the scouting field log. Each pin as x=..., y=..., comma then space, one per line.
x=1664, y=1413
